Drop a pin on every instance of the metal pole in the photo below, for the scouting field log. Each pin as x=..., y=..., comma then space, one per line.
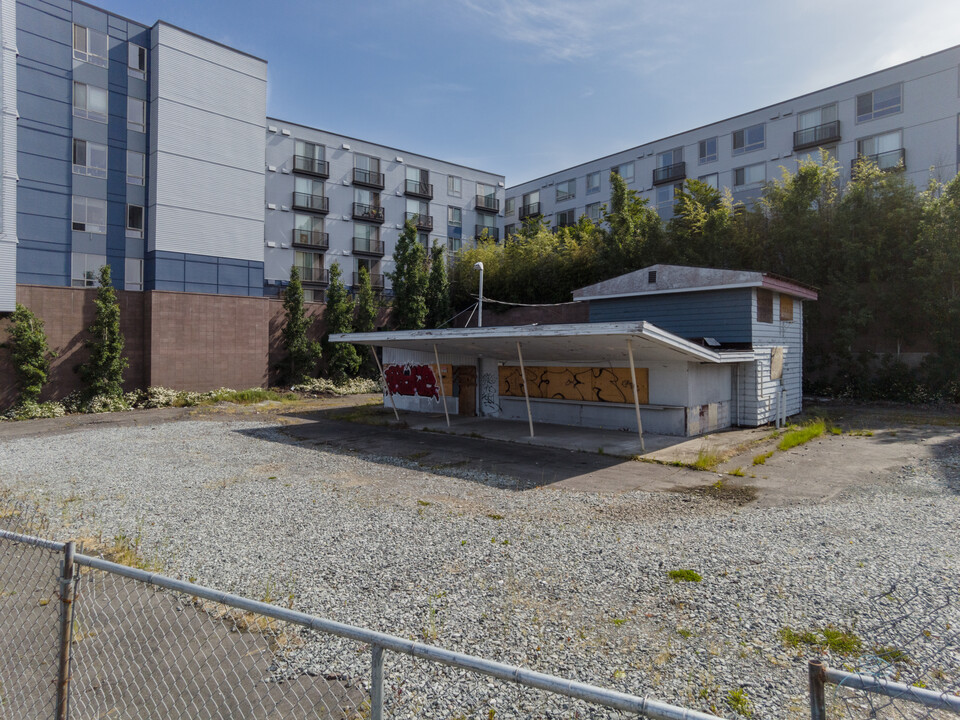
x=526, y=395
x=479, y=266
x=383, y=376
x=818, y=698
x=66, y=630
x=443, y=395
x=376, y=684
x=636, y=395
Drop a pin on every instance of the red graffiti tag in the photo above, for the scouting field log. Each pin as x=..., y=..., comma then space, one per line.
x=412, y=380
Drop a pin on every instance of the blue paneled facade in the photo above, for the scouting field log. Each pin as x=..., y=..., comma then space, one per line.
x=180, y=272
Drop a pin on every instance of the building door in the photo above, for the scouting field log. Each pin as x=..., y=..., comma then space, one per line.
x=465, y=377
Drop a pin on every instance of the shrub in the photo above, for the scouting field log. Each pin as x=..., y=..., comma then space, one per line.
x=103, y=371
x=29, y=353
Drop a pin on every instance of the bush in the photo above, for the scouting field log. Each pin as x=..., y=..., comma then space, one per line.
x=30, y=410
x=355, y=386
x=29, y=353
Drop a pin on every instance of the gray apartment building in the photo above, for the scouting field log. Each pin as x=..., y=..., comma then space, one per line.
x=905, y=117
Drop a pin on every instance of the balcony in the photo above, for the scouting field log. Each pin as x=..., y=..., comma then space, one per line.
x=817, y=136
x=313, y=239
x=422, y=222
x=492, y=232
x=531, y=210
x=670, y=173
x=313, y=203
x=366, y=246
x=376, y=280
x=367, y=213
x=320, y=276
x=886, y=161
x=418, y=189
x=311, y=166
x=488, y=204
x=368, y=178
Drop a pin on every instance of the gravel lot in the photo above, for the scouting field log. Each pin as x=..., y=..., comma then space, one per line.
x=563, y=582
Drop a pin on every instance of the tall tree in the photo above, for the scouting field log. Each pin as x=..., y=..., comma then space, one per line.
x=438, y=288
x=342, y=358
x=634, y=233
x=409, y=280
x=29, y=352
x=366, y=304
x=103, y=371
x=303, y=354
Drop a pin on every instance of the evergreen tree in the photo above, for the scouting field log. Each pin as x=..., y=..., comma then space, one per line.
x=633, y=237
x=366, y=304
x=438, y=288
x=342, y=358
x=29, y=353
x=409, y=280
x=103, y=371
x=302, y=353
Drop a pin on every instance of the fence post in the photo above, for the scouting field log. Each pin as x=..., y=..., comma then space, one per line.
x=376, y=684
x=818, y=698
x=66, y=630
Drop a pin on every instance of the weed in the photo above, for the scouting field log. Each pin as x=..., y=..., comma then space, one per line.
x=618, y=621
x=862, y=433
x=706, y=460
x=685, y=633
x=793, y=639
x=424, y=503
x=417, y=455
x=891, y=654
x=600, y=450
x=803, y=434
x=736, y=472
x=835, y=430
x=719, y=490
x=494, y=516
x=619, y=674
x=919, y=684
x=832, y=638
x=739, y=702
x=684, y=575
x=762, y=459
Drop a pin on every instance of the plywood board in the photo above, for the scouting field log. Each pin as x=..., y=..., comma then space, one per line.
x=586, y=384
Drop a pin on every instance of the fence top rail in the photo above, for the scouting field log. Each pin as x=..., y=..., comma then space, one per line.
x=31, y=540
x=882, y=686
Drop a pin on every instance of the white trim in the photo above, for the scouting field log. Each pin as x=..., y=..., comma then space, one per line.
x=698, y=288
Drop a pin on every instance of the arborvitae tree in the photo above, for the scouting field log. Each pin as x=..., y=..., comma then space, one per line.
x=634, y=233
x=438, y=288
x=303, y=354
x=342, y=358
x=103, y=371
x=409, y=280
x=366, y=304
x=29, y=353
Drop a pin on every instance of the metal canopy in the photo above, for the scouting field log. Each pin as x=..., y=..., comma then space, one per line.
x=572, y=342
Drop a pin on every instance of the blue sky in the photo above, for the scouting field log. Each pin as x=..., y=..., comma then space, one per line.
x=525, y=88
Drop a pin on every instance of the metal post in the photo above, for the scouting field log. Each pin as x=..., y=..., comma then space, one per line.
x=818, y=698
x=479, y=266
x=66, y=629
x=636, y=395
x=376, y=684
x=526, y=395
x=443, y=395
x=383, y=376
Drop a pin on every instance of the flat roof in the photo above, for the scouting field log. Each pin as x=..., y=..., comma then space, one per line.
x=569, y=342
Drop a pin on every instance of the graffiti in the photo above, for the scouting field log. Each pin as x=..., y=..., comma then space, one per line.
x=419, y=380
x=590, y=384
x=489, y=401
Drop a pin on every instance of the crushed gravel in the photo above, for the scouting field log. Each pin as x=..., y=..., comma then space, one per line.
x=574, y=584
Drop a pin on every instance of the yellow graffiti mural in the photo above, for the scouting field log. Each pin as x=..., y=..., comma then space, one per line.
x=587, y=384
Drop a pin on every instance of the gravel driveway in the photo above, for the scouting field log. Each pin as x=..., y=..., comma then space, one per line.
x=571, y=583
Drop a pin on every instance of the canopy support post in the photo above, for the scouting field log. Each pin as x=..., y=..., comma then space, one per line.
x=386, y=387
x=443, y=395
x=636, y=395
x=526, y=395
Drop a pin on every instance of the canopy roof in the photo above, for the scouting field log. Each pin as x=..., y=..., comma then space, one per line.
x=572, y=342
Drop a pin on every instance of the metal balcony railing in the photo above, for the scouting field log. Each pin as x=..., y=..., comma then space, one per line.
x=313, y=203
x=422, y=222
x=492, y=232
x=817, y=136
x=368, y=178
x=376, y=280
x=488, y=203
x=418, y=189
x=314, y=275
x=366, y=246
x=368, y=213
x=531, y=210
x=316, y=239
x=888, y=161
x=311, y=166
x=670, y=173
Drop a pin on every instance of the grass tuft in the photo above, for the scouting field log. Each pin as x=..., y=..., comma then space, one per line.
x=803, y=434
x=684, y=575
x=762, y=459
x=706, y=460
x=739, y=702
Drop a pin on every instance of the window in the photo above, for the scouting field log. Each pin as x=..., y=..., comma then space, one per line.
x=531, y=202
x=486, y=220
x=593, y=182
x=509, y=206
x=89, y=46
x=566, y=218
x=366, y=232
x=314, y=295
x=373, y=270
x=786, y=308
x=309, y=186
x=85, y=268
x=749, y=139
x=713, y=180
x=454, y=186
x=424, y=239
x=750, y=175
x=509, y=230
x=89, y=215
x=134, y=220
x=885, y=149
x=880, y=103
x=360, y=195
x=667, y=198
x=625, y=171
x=309, y=265
x=136, y=61
x=486, y=191
x=308, y=229
x=708, y=150
x=136, y=167
x=89, y=102
x=455, y=216
x=818, y=116
x=592, y=211
x=764, y=306
x=133, y=274
x=309, y=150
x=670, y=157
x=136, y=115
x=365, y=162
x=89, y=158
x=566, y=190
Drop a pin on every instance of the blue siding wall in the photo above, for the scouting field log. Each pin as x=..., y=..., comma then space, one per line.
x=721, y=314
x=181, y=272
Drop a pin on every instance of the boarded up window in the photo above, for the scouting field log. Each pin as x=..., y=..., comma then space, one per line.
x=764, y=306
x=586, y=384
x=786, y=308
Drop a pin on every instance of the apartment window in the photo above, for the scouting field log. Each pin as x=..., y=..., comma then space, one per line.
x=593, y=182
x=314, y=295
x=486, y=191
x=509, y=230
x=89, y=215
x=133, y=274
x=708, y=150
x=309, y=186
x=307, y=229
x=670, y=157
x=455, y=216
x=134, y=221
x=566, y=218
x=85, y=269
x=749, y=139
x=885, y=149
x=90, y=46
x=566, y=190
x=713, y=180
x=424, y=239
x=764, y=306
x=592, y=211
x=486, y=220
x=372, y=268
x=750, y=175
x=454, y=186
x=530, y=200
x=136, y=167
x=136, y=115
x=418, y=211
x=509, y=206
x=89, y=102
x=360, y=195
x=624, y=170
x=310, y=150
x=880, y=103
x=308, y=157
x=136, y=61
x=89, y=158
x=818, y=116
x=786, y=308
x=362, y=231
x=667, y=198
x=309, y=265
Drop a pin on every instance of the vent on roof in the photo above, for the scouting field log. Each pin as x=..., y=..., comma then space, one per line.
x=652, y=276
x=711, y=342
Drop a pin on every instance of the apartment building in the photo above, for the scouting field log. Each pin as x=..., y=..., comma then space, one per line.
x=905, y=118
